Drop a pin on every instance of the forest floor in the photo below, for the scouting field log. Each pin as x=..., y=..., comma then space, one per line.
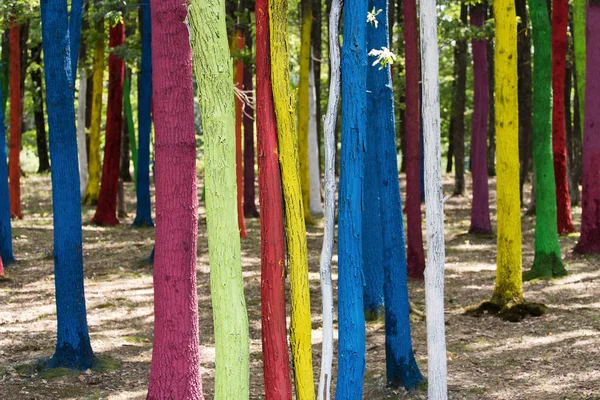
x=556, y=356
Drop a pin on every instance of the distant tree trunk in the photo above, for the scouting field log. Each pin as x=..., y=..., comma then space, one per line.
x=313, y=148
x=576, y=149
x=434, y=274
x=300, y=335
x=93, y=187
x=351, y=343
x=416, y=256
x=402, y=95
x=276, y=367
x=239, y=43
x=106, y=212
x=508, y=286
x=129, y=138
x=250, y=210
x=81, y=135
x=560, y=15
x=480, y=209
x=573, y=185
x=73, y=349
x=324, y=392
x=303, y=105
x=14, y=165
x=143, y=211
x=450, y=153
x=491, y=133
x=458, y=111
x=38, y=109
x=317, y=55
x=6, y=251
x=578, y=33
x=547, y=262
x=401, y=367
x=175, y=369
x=589, y=241
x=5, y=67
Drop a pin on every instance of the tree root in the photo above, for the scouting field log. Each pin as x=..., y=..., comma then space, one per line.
x=512, y=312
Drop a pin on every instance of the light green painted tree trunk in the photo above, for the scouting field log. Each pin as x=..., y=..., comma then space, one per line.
x=214, y=73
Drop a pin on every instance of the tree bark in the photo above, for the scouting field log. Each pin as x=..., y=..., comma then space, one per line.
x=14, y=165
x=458, y=111
x=491, y=133
x=313, y=148
x=276, y=368
x=106, y=211
x=560, y=14
x=579, y=44
x=175, y=368
x=38, y=110
x=416, y=256
x=589, y=241
x=6, y=251
x=5, y=67
x=250, y=210
x=576, y=155
x=129, y=140
x=239, y=43
x=317, y=56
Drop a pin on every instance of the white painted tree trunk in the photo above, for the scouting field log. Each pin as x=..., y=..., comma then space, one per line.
x=434, y=272
x=329, y=125
x=81, y=142
x=313, y=147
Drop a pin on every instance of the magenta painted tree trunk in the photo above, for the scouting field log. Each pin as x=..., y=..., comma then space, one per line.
x=175, y=369
x=589, y=241
x=415, y=256
x=480, y=209
x=106, y=211
x=560, y=16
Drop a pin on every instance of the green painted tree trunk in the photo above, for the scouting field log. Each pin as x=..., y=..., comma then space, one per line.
x=547, y=262
x=214, y=73
x=580, y=51
x=130, y=125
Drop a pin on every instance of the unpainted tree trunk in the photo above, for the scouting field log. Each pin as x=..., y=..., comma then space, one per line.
x=239, y=43
x=458, y=111
x=38, y=110
x=313, y=149
x=250, y=210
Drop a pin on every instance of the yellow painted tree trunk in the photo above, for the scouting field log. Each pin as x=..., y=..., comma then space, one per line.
x=93, y=188
x=294, y=227
x=508, y=287
x=303, y=106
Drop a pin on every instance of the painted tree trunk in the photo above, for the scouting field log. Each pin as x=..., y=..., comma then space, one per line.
x=81, y=135
x=5, y=67
x=329, y=130
x=303, y=105
x=6, y=250
x=14, y=165
x=93, y=187
x=301, y=330
x=143, y=211
x=416, y=256
x=508, y=286
x=401, y=367
x=434, y=273
x=130, y=127
x=214, y=76
x=589, y=241
x=276, y=368
x=351, y=325
x=239, y=171
x=250, y=210
x=547, y=262
x=38, y=110
x=316, y=44
x=458, y=109
x=525, y=93
x=575, y=150
x=175, y=369
x=313, y=148
x=560, y=15
x=579, y=44
x=75, y=21
x=73, y=349
x=480, y=209
x=106, y=212
x=491, y=133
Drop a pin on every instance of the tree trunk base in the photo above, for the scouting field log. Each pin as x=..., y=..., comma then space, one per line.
x=512, y=311
x=588, y=246
x=545, y=266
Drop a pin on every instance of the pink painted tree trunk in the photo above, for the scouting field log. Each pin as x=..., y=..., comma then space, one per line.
x=175, y=370
x=480, y=209
x=589, y=241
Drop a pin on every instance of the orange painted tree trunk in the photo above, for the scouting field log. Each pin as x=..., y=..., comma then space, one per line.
x=239, y=116
x=560, y=16
x=14, y=165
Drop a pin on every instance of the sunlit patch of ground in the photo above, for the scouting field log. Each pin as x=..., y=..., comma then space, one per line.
x=556, y=356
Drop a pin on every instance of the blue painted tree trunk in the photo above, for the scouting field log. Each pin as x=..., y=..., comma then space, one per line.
x=351, y=321
x=6, y=250
x=75, y=18
x=73, y=349
x=143, y=212
x=401, y=367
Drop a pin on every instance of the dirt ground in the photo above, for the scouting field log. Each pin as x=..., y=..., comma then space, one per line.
x=556, y=356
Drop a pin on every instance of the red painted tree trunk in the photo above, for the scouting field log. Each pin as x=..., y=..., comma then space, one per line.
x=589, y=241
x=560, y=14
x=175, y=369
x=250, y=210
x=480, y=210
x=14, y=165
x=239, y=82
x=106, y=211
x=415, y=255
x=275, y=352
